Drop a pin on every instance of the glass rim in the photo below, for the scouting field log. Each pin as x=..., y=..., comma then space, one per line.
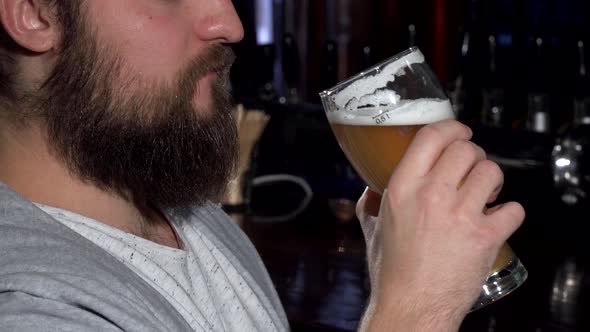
x=364, y=72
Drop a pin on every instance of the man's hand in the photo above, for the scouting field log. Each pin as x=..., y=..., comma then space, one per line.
x=431, y=242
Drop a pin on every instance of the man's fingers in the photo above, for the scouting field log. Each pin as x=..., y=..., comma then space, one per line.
x=505, y=219
x=456, y=162
x=495, y=194
x=368, y=204
x=428, y=145
x=479, y=186
x=367, y=211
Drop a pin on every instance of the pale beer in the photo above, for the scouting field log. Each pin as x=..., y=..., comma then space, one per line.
x=362, y=144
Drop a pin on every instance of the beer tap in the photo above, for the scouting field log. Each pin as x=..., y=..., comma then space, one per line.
x=539, y=101
x=265, y=50
x=291, y=68
x=570, y=165
x=567, y=293
x=266, y=87
x=571, y=153
x=366, y=57
x=493, y=108
x=581, y=97
x=412, y=35
x=459, y=86
x=329, y=76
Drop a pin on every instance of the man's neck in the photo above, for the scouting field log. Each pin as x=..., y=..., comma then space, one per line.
x=28, y=167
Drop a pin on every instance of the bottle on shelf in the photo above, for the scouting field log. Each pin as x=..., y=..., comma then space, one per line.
x=493, y=113
x=539, y=98
x=571, y=157
x=412, y=40
x=458, y=87
x=266, y=87
x=582, y=88
x=329, y=70
x=290, y=67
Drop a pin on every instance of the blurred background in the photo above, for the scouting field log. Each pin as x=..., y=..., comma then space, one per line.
x=516, y=72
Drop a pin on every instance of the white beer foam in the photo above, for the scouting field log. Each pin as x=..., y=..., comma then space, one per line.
x=412, y=112
x=370, y=86
x=389, y=108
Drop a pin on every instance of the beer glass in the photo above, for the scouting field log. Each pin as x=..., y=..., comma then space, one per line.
x=375, y=115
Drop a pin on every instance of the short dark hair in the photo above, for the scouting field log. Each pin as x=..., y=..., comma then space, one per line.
x=67, y=15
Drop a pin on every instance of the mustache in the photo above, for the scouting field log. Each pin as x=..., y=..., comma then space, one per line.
x=217, y=58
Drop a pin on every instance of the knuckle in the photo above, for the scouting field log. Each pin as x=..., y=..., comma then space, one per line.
x=430, y=132
x=489, y=169
x=456, y=127
x=430, y=194
x=395, y=195
x=515, y=212
x=487, y=237
x=461, y=216
x=467, y=150
x=360, y=209
x=479, y=151
x=444, y=130
x=452, y=122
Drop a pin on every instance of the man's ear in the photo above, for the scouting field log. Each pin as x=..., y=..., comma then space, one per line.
x=30, y=24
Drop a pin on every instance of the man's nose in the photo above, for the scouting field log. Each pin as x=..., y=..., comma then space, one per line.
x=218, y=20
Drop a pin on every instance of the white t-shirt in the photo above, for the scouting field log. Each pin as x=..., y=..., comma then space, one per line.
x=203, y=282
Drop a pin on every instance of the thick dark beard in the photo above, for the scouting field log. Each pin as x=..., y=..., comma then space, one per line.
x=151, y=146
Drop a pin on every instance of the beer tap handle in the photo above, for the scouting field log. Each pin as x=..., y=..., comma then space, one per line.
x=581, y=59
x=290, y=65
x=366, y=57
x=266, y=88
x=412, y=35
x=581, y=93
x=493, y=98
x=465, y=45
x=492, y=50
x=329, y=75
x=539, y=47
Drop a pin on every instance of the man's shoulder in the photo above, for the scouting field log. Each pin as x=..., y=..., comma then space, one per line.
x=28, y=235
x=47, y=261
x=32, y=243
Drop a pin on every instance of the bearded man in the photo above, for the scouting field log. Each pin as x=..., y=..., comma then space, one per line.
x=116, y=142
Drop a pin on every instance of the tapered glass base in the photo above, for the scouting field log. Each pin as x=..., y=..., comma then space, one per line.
x=501, y=283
